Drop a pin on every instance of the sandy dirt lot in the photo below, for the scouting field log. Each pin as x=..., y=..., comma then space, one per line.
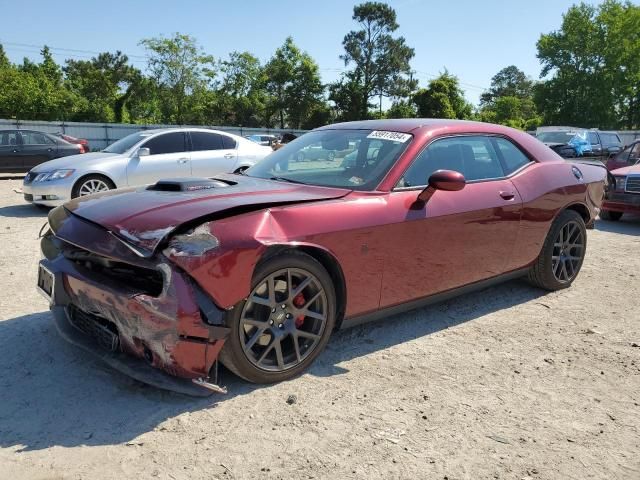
x=508, y=383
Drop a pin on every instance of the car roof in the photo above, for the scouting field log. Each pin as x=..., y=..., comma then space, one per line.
x=153, y=131
x=423, y=125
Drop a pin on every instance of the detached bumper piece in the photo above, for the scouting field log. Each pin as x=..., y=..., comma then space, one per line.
x=127, y=364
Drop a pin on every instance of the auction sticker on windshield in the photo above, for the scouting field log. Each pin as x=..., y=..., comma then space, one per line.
x=393, y=136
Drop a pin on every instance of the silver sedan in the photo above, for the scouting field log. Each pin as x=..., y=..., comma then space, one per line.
x=139, y=159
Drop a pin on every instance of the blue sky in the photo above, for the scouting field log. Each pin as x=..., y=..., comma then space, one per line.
x=472, y=39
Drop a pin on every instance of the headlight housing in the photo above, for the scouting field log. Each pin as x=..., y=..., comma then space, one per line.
x=55, y=175
x=620, y=183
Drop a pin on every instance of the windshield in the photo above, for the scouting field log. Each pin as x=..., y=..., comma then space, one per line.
x=126, y=143
x=556, y=137
x=354, y=159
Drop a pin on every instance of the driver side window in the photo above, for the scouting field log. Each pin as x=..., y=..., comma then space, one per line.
x=473, y=156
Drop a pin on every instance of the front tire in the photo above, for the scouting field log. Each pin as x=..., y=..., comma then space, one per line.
x=284, y=323
x=562, y=254
x=91, y=184
x=610, y=215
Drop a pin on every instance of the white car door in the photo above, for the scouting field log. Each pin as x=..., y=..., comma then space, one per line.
x=212, y=153
x=168, y=158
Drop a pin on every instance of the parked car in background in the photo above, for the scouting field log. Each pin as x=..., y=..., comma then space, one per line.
x=79, y=141
x=570, y=142
x=266, y=140
x=627, y=157
x=21, y=150
x=624, y=196
x=141, y=158
x=257, y=270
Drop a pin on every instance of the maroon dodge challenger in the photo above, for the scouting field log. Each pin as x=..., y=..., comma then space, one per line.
x=257, y=269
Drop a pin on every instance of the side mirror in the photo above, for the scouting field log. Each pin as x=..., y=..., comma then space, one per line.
x=447, y=180
x=143, y=152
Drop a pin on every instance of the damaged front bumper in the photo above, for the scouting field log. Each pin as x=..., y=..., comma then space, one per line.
x=168, y=335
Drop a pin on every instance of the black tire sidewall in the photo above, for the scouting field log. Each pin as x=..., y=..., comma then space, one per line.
x=549, y=279
x=233, y=356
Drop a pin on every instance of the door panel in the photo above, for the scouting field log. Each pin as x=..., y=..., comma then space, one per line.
x=36, y=149
x=212, y=153
x=455, y=239
x=10, y=159
x=169, y=159
x=10, y=146
x=211, y=162
x=33, y=155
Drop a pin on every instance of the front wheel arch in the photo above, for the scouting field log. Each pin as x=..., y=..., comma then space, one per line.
x=76, y=186
x=330, y=264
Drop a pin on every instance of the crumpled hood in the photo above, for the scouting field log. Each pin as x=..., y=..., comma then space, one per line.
x=85, y=160
x=143, y=218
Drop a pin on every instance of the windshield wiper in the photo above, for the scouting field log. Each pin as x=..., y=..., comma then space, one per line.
x=285, y=179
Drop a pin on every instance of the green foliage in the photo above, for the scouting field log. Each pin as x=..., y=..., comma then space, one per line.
x=182, y=72
x=380, y=62
x=443, y=98
x=401, y=109
x=293, y=84
x=106, y=83
x=509, y=100
x=593, y=65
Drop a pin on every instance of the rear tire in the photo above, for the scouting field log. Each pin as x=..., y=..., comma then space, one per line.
x=271, y=339
x=562, y=254
x=610, y=215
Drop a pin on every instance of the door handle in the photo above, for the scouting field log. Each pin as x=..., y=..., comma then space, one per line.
x=14, y=151
x=507, y=195
x=183, y=160
x=229, y=155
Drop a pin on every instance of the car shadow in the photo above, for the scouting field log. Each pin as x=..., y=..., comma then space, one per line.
x=26, y=210
x=53, y=394
x=627, y=225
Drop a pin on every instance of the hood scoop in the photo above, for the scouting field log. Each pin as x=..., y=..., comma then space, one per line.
x=187, y=184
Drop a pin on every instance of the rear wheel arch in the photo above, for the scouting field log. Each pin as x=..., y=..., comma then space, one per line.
x=330, y=264
x=581, y=209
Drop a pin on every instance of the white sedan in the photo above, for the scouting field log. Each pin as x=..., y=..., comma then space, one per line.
x=139, y=159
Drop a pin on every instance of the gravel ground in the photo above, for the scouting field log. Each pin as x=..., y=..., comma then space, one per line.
x=509, y=383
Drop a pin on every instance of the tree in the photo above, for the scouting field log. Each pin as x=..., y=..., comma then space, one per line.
x=509, y=100
x=4, y=60
x=443, y=98
x=107, y=83
x=593, y=67
x=182, y=72
x=293, y=83
x=508, y=82
x=34, y=90
x=380, y=61
x=401, y=109
x=241, y=97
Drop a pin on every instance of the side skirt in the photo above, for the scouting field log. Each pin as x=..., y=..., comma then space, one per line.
x=431, y=299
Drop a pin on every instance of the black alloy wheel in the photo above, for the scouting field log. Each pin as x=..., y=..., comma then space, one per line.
x=284, y=323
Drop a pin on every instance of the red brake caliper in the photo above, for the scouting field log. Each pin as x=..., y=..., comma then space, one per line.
x=299, y=301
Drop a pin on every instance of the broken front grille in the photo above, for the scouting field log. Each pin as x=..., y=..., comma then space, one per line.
x=104, y=332
x=139, y=279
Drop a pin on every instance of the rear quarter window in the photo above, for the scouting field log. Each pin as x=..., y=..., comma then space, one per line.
x=512, y=157
x=228, y=142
